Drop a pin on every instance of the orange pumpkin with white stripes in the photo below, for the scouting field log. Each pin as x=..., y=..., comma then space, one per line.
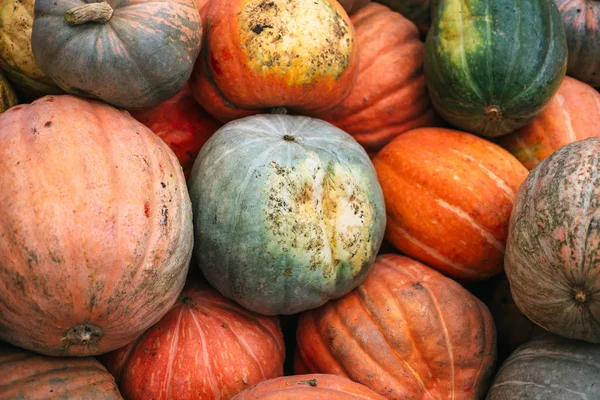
x=407, y=332
x=448, y=197
x=206, y=347
x=573, y=114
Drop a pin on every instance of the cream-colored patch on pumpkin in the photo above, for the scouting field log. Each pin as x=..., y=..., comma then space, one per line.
x=303, y=39
x=319, y=214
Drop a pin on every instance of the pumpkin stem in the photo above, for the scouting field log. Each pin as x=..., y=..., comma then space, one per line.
x=493, y=112
x=93, y=12
x=580, y=296
x=83, y=335
x=289, y=138
x=279, y=110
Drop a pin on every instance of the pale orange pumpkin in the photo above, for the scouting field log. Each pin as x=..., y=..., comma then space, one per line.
x=96, y=227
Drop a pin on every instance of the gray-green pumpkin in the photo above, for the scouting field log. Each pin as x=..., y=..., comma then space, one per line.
x=549, y=367
x=288, y=212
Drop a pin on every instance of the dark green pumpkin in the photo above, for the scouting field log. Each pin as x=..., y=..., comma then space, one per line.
x=491, y=66
x=549, y=367
x=130, y=54
x=581, y=20
x=288, y=212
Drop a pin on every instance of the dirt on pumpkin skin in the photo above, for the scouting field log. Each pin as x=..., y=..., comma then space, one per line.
x=304, y=40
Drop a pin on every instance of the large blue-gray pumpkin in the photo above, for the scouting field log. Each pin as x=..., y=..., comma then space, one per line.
x=288, y=212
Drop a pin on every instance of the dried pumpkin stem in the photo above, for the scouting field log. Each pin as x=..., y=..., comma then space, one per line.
x=279, y=110
x=93, y=12
x=493, y=112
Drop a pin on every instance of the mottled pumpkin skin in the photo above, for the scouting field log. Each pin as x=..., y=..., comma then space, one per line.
x=491, y=67
x=407, y=332
x=97, y=227
x=261, y=54
x=205, y=347
x=573, y=114
x=448, y=196
x=549, y=367
x=512, y=327
x=31, y=376
x=298, y=199
x=182, y=124
x=581, y=19
x=16, y=57
x=418, y=11
x=389, y=97
x=141, y=57
x=8, y=98
x=553, y=250
x=308, y=387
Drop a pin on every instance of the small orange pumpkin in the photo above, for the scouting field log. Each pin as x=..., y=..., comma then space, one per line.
x=573, y=114
x=264, y=54
x=389, y=96
x=448, y=197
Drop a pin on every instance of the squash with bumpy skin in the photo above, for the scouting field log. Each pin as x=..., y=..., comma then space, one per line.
x=553, y=248
x=492, y=66
x=31, y=376
x=132, y=54
x=263, y=54
x=298, y=199
x=96, y=227
x=549, y=368
x=16, y=57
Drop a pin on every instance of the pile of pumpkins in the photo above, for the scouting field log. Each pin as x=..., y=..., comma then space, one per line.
x=299, y=199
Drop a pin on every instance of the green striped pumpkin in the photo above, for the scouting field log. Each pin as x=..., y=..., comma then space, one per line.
x=492, y=66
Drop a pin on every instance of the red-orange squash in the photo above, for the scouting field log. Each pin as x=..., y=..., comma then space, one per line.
x=448, y=197
x=389, y=96
x=96, y=227
x=32, y=376
x=182, y=124
x=407, y=332
x=309, y=387
x=205, y=347
x=264, y=54
x=573, y=114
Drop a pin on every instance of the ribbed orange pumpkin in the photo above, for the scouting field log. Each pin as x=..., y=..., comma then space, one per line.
x=389, y=96
x=263, y=54
x=182, y=124
x=205, y=347
x=31, y=376
x=407, y=332
x=573, y=114
x=96, y=227
x=448, y=197
x=309, y=387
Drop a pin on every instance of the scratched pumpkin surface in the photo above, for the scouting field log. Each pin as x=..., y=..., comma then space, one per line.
x=96, y=228
x=206, y=347
x=141, y=56
x=298, y=200
x=259, y=54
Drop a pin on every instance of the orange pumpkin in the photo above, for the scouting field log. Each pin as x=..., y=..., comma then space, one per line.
x=389, y=96
x=205, y=347
x=96, y=227
x=264, y=54
x=448, y=197
x=308, y=387
x=182, y=124
x=573, y=114
x=31, y=376
x=407, y=332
